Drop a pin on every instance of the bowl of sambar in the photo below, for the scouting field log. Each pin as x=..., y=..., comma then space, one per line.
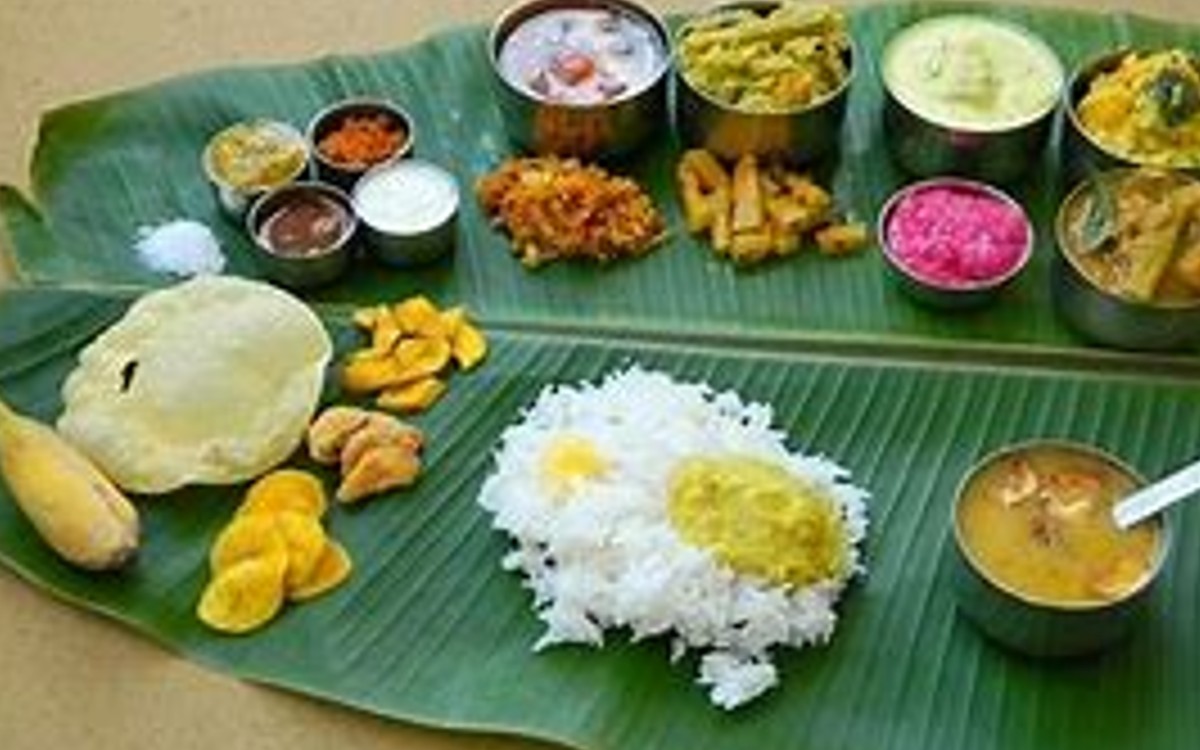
x=1039, y=565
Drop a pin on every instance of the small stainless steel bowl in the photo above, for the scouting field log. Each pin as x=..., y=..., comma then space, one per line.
x=928, y=292
x=924, y=146
x=1081, y=154
x=800, y=136
x=399, y=240
x=612, y=128
x=342, y=174
x=1107, y=318
x=301, y=271
x=1037, y=627
x=236, y=200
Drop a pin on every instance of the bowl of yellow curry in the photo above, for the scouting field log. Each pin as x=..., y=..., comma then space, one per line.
x=1127, y=272
x=1039, y=565
x=1132, y=107
x=765, y=78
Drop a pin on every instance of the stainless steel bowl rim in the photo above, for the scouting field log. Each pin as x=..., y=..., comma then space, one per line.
x=839, y=90
x=1085, y=71
x=1165, y=532
x=406, y=164
x=972, y=128
x=253, y=217
x=364, y=102
x=291, y=130
x=1060, y=242
x=520, y=9
x=885, y=215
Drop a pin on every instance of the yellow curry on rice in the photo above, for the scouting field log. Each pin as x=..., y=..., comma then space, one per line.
x=1039, y=523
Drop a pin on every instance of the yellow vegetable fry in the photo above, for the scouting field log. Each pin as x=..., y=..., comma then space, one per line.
x=368, y=371
x=328, y=433
x=380, y=429
x=411, y=397
x=697, y=209
x=452, y=319
x=386, y=333
x=784, y=241
x=747, y=196
x=382, y=468
x=709, y=172
x=1187, y=268
x=365, y=317
x=243, y=597
x=305, y=539
x=419, y=358
x=252, y=537
x=333, y=567
x=722, y=228
x=417, y=316
x=841, y=239
x=751, y=247
x=470, y=347
x=285, y=490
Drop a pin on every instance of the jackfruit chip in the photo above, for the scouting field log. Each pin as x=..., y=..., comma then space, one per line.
x=305, y=539
x=369, y=370
x=243, y=597
x=211, y=381
x=470, y=347
x=409, y=397
x=333, y=568
x=252, y=537
x=417, y=316
x=418, y=358
x=285, y=489
x=330, y=431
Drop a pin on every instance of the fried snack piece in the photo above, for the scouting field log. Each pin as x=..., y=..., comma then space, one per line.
x=333, y=567
x=285, y=490
x=328, y=433
x=760, y=212
x=245, y=596
x=305, y=539
x=379, y=453
x=556, y=208
x=380, y=469
x=250, y=537
x=413, y=344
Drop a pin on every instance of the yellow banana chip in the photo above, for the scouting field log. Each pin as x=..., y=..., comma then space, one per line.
x=305, y=541
x=252, y=537
x=417, y=316
x=419, y=358
x=470, y=347
x=333, y=567
x=285, y=489
x=414, y=396
x=244, y=596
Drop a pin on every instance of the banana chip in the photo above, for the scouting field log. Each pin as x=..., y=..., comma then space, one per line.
x=285, y=490
x=331, y=569
x=274, y=548
x=245, y=596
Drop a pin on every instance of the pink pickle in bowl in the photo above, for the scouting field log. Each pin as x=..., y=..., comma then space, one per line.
x=956, y=236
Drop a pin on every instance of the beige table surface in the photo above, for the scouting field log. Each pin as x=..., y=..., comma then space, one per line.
x=69, y=679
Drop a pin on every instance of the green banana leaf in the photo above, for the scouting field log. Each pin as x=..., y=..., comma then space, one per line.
x=430, y=630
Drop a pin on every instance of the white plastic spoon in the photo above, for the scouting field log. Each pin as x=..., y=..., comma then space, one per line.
x=1157, y=496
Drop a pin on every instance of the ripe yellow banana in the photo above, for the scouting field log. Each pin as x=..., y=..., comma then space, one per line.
x=76, y=509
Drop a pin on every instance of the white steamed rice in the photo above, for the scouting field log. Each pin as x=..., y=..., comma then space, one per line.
x=610, y=557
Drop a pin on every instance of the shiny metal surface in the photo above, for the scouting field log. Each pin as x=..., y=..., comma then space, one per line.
x=613, y=128
x=301, y=272
x=1043, y=628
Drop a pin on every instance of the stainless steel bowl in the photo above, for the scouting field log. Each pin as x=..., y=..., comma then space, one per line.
x=924, y=147
x=1107, y=318
x=301, y=271
x=613, y=128
x=1081, y=154
x=329, y=118
x=416, y=242
x=235, y=201
x=801, y=136
x=1041, y=628
x=962, y=296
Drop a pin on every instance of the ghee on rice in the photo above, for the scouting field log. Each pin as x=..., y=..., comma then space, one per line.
x=582, y=484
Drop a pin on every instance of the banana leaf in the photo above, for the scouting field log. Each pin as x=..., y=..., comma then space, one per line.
x=429, y=629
